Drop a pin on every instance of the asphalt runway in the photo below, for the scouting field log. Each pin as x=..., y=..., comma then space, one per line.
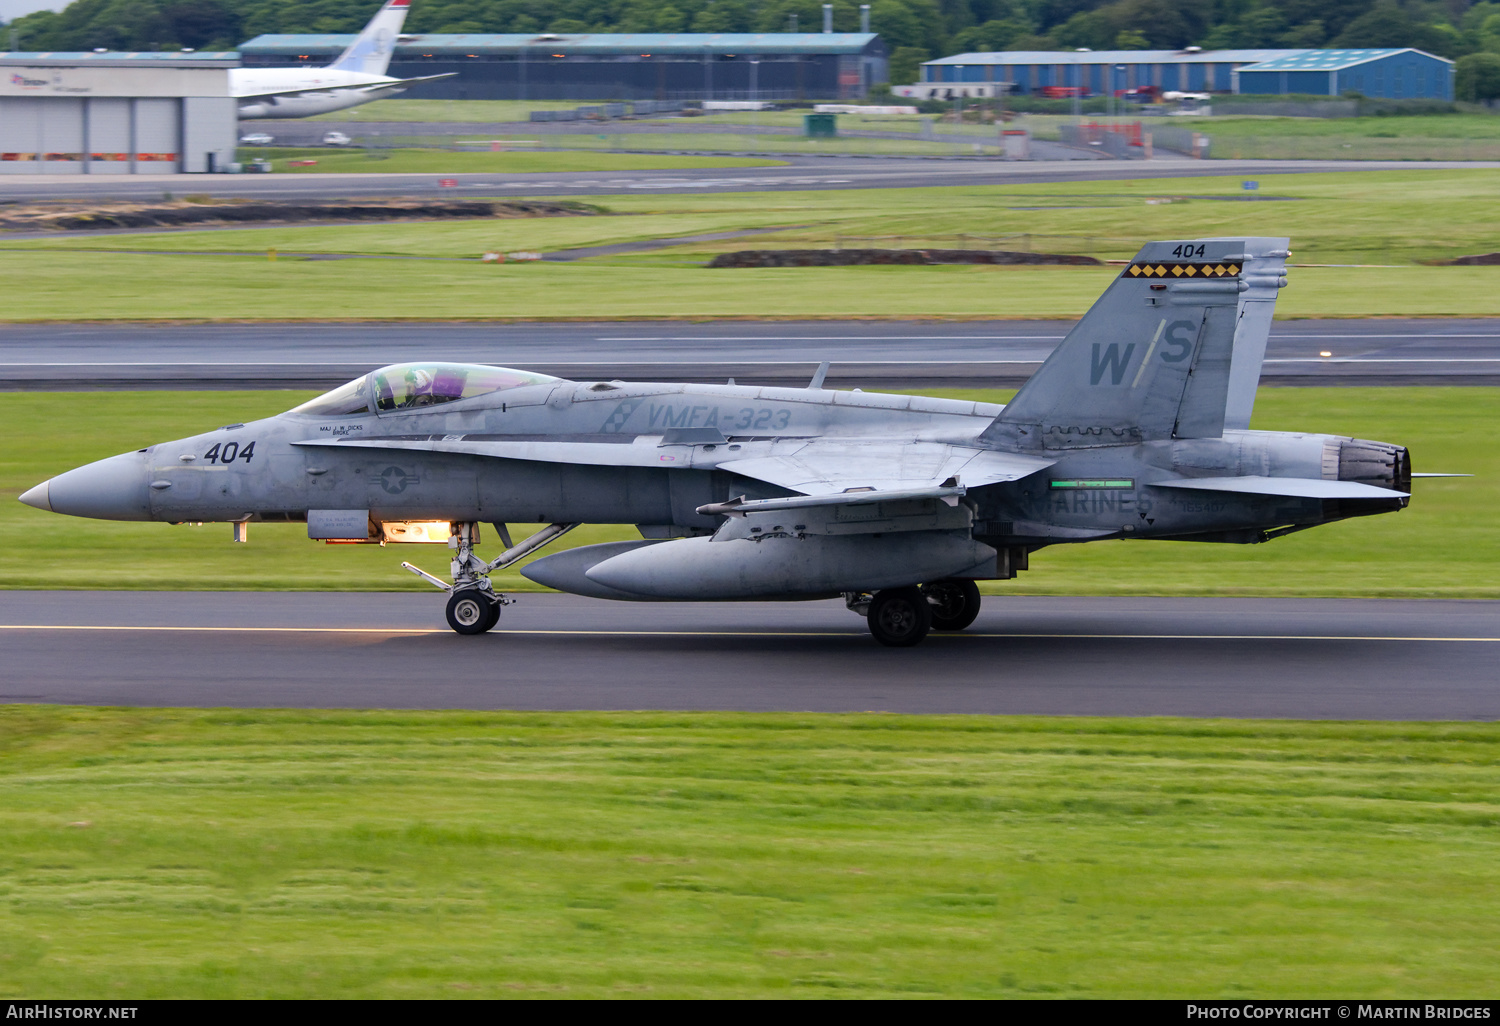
x=1276, y=658
x=796, y=174
x=864, y=354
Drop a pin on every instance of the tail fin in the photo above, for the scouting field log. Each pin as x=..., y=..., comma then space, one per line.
x=1173, y=349
x=371, y=51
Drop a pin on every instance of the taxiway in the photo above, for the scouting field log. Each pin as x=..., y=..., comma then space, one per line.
x=792, y=174
x=865, y=354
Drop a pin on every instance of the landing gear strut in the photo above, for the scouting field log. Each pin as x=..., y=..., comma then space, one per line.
x=473, y=605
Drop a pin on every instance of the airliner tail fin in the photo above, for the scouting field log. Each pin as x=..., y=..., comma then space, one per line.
x=371, y=51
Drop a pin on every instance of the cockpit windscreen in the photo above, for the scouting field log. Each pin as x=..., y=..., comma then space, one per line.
x=410, y=386
x=344, y=401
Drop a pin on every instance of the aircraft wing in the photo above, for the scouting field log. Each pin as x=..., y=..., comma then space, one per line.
x=817, y=467
x=1291, y=487
x=829, y=467
x=365, y=87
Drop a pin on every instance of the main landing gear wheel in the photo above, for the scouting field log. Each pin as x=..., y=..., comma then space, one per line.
x=470, y=611
x=954, y=601
x=900, y=617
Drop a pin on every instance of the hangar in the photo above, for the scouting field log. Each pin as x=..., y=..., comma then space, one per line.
x=116, y=113
x=1388, y=74
x=1098, y=71
x=613, y=66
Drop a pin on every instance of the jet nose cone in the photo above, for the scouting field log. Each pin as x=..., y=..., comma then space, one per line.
x=37, y=497
x=112, y=489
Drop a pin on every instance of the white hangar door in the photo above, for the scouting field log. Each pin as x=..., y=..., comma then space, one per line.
x=66, y=135
x=41, y=135
x=108, y=123
x=158, y=129
x=21, y=135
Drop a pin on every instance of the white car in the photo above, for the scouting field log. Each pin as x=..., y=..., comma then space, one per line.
x=257, y=139
x=336, y=139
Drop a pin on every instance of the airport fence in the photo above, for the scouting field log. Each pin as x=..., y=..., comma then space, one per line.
x=748, y=141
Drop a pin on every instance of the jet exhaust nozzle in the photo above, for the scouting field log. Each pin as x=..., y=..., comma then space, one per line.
x=1375, y=463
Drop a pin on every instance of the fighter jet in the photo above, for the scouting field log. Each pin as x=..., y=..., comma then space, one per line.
x=358, y=76
x=1136, y=427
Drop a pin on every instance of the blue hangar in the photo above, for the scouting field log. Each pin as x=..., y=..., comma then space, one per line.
x=1388, y=74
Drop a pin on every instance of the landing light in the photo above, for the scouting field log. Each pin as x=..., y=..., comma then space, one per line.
x=433, y=532
x=1325, y=353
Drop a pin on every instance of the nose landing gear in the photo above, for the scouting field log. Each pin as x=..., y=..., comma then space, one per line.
x=473, y=605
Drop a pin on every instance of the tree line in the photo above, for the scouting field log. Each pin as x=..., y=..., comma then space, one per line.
x=914, y=30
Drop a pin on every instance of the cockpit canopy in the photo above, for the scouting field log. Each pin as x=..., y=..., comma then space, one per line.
x=410, y=386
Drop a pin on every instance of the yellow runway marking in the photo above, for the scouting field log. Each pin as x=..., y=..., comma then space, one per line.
x=851, y=633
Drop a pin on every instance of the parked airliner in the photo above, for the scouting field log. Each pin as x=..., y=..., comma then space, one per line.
x=358, y=76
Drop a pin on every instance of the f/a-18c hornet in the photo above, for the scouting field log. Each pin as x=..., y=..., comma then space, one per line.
x=1136, y=427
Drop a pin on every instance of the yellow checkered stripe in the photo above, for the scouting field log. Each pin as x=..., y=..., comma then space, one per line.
x=1182, y=271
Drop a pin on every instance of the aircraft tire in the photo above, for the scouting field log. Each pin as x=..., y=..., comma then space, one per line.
x=954, y=601
x=494, y=616
x=899, y=617
x=470, y=612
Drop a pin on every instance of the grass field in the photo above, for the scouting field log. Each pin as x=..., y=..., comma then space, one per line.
x=1432, y=137
x=1374, y=218
x=245, y=853
x=1447, y=544
x=521, y=161
x=122, y=286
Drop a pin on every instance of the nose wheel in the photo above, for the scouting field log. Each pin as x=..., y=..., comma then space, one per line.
x=471, y=611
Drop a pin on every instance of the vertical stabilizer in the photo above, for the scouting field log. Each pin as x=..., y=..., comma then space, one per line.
x=1265, y=273
x=371, y=51
x=1159, y=354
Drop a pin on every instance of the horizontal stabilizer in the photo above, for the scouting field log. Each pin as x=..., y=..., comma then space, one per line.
x=1442, y=475
x=1291, y=487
